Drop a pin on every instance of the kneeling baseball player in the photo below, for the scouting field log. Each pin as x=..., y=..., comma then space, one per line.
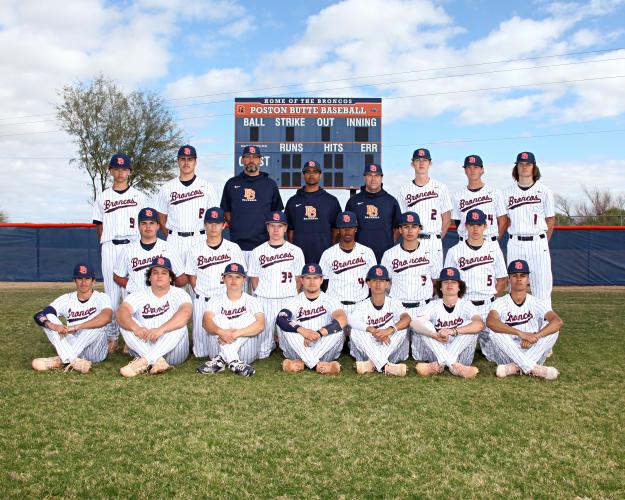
x=523, y=328
x=448, y=330
x=233, y=321
x=82, y=340
x=379, y=335
x=310, y=327
x=154, y=322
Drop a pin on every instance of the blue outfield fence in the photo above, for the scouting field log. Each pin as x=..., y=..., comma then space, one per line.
x=580, y=255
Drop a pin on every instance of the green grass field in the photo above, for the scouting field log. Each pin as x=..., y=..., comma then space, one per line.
x=305, y=435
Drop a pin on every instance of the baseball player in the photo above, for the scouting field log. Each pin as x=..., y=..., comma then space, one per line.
x=377, y=212
x=448, y=330
x=311, y=214
x=82, y=340
x=115, y=214
x=206, y=262
x=274, y=269
x=531, y=217
x=430, y=199
x=182, y=203
x=477, y=194
x=412, y=266
x=311, y=326
x=482, y=268
x=246, y=200
x=523, y=328
x=137, y=256
x=154, y=322
x=345, y=264
x=378, y=329
x=233, y=321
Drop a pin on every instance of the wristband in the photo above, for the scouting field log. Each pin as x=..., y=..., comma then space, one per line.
x=394, y=328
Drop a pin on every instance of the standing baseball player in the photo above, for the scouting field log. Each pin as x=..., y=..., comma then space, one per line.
x=154, y=322
x=482, y=267
x=205, y=266
x=274, y=275
x=247, y=199
x=448, y=330
x=115, y=213
x=82, y=340
x=531, y=217
x=478, y=194
x=311, y=326
x=311, y=214
x=379, y=329
x=137, y=256
x=523, y=328
x=377, y=212
x=430, y=199
x=233, y=320
x=182, y=203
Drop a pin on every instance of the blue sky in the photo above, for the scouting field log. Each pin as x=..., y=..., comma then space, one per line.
x=441, y=51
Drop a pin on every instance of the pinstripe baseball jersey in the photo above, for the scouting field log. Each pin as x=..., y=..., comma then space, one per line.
x=383, y=317
x=528, y=317
x=312, y=314
x=76, y=312
x=152, y=311
x=207, y=264
x=487, y=199
x=185, y=205
x=527, y=208
x=346, y=271
x=276, y=269
x=411, y=272
x=118, y=212
x=429, y=202
x=135, y=258
x=234, y=314
x=479, y=267
x=437, y=313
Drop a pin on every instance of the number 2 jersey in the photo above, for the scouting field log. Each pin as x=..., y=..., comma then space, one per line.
x=429, y=202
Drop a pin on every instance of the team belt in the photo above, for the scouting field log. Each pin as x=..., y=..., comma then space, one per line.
x=492, y=238
x=120, y=242
x=206, y=299
x=482, y=302
x=348, y=303
x=528, y=238
x=412, y=305
x=190, y=233
x=428, y=236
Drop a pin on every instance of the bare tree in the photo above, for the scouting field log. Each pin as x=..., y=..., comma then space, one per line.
x=602, y=207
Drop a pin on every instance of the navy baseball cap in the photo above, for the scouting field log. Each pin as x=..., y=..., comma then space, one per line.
x=163, y=262
x=214, y=214
x=473, y=161
x=409, y=219
x=148, y=214
x=312, y=270
x=373, y=168
x=378, y=273
x=276, y=217
x=120, y=160
x=475, y=217
x=518, y=266
x=251, y=151
x=83, y=271
x=187, y=151
x=421, y=153
x=526, y=157
x=449, y=274
x=234, y=268
x=311, y=164
x=346, y=219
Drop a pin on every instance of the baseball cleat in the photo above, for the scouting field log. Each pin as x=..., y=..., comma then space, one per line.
x=159, y=366
x=363, y=367
x=80, y=365
x=328, y=367
x=506, y=370
x=43, y=364
x=215, y=365
x=427, y=369
x=137, y=366
x=241, y=368
x=399, y=369
x=546, y=372
x=293, y=365
x=464, y=371
x=112, y=345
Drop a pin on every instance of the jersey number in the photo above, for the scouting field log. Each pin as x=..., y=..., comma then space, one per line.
x=535, y=219
x=489, y=280
x=361, y=282
x=490, y=219
x=132, y=222
x=424, y=280
x=434, y=212
x=201, y=215
x=287, y=277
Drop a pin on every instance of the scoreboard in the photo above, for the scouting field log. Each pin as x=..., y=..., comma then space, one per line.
x=343, y=134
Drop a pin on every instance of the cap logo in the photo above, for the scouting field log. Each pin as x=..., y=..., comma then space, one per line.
x=311, y=269
x=148, y=212
x=311, y=163
x=187, y=151
x=373, y=168
x=276, y=216
x=234, y=267
x=252, y=149
x=160, y=261
x=378, y=272
x=214, y=214
x=524, y=156
x=421, y=152
x=471, y=159
x=450, y=272
x=409, y=218
x=120, y=160
x=518, y=265
x=346, y=218
x=475, y=215
x=82, y=270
